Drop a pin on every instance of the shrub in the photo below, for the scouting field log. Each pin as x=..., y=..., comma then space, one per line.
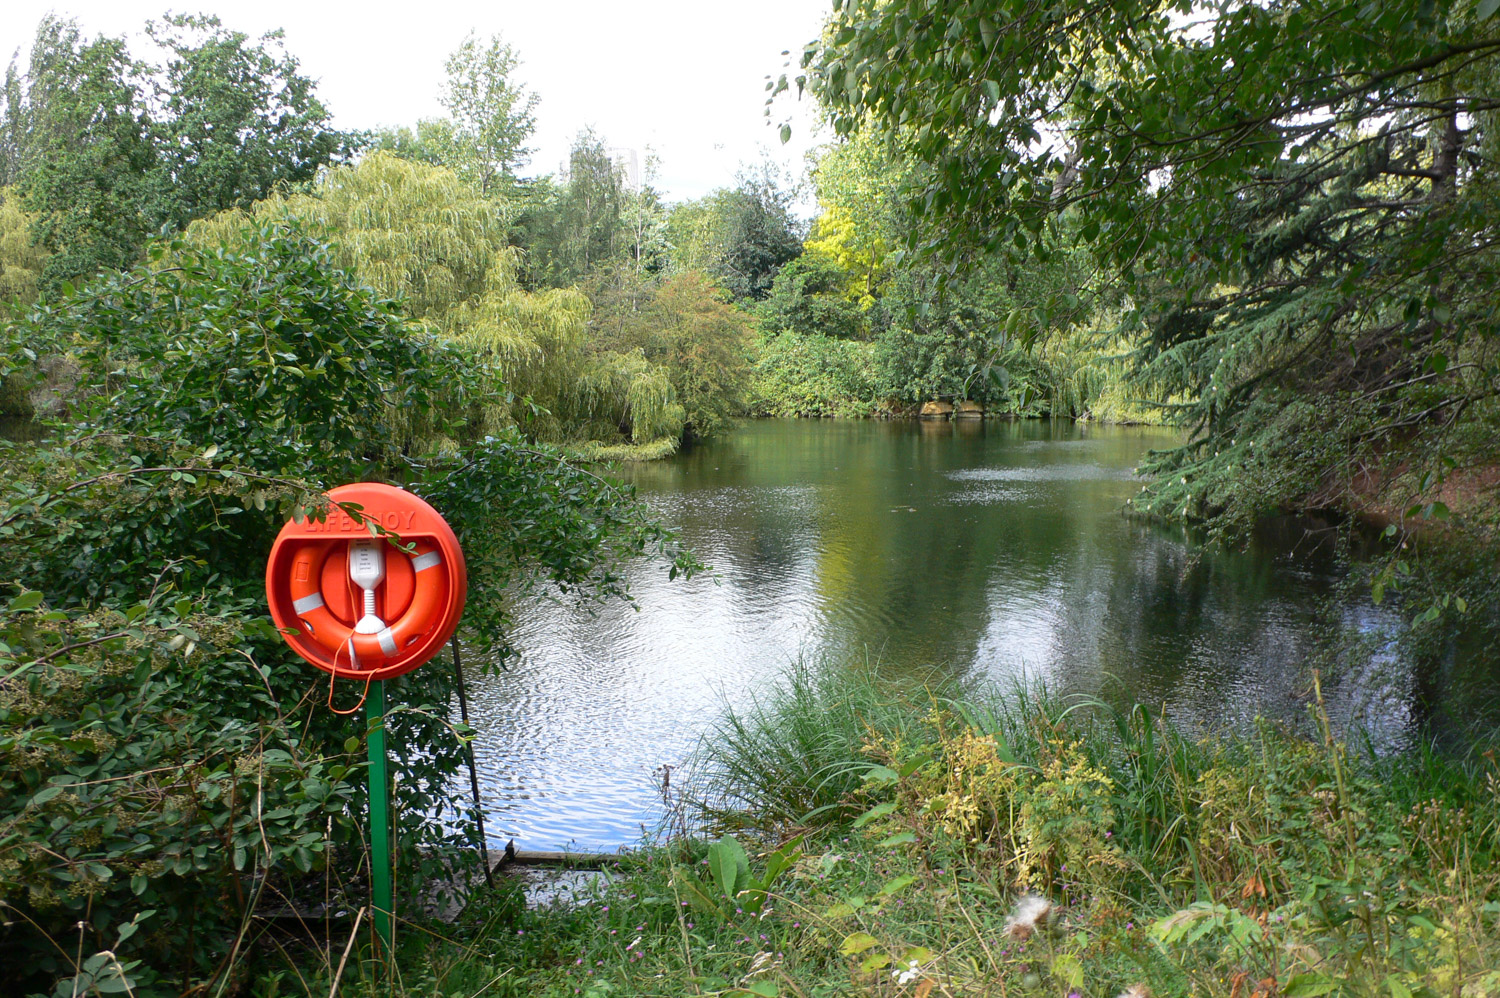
x=164, y=759
x=816, y=375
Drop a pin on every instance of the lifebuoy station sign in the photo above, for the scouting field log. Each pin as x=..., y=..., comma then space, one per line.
x=354, y=603
x=369, y=605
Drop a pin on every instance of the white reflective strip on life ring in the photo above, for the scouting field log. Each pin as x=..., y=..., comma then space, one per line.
x=308, y=603
x=422, y=562
x=387, y=641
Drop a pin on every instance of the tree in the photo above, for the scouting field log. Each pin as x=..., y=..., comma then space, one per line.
x=421, y=234
x=683, y=326
x=808, y=297
x=88, y=166
x=21, y=260
x=106, y=149
x=12, y=127
x=1298, y=198
x=493, y=114
x=586, y=225
x=760, y=235
x=645, y=220
x=234, y=120
x=740, y=236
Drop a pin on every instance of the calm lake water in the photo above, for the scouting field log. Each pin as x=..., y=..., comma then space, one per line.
x=997, y=549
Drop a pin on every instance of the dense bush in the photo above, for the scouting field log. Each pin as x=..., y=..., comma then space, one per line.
x=809, y=297
x=162, y=749
x=816, y=375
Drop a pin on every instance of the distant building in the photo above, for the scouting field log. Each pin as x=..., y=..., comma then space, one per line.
x=626, y=162
x=627, y=166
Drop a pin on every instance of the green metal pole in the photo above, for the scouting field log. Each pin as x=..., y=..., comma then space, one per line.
x=380, y=823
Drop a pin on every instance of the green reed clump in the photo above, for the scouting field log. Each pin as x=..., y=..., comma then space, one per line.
x=793, y=756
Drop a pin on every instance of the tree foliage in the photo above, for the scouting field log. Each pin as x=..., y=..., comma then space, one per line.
x=740, y=236
x=423, y=234
x=683, y=325
x=167, y=760
x=1297, y=197
x=105, y=149
x=492, y=113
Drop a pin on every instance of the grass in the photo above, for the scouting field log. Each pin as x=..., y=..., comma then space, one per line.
x=951, y=842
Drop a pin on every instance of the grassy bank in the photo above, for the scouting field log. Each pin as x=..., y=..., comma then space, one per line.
x=884, y=839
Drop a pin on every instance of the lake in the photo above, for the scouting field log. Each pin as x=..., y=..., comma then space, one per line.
x=998, y=549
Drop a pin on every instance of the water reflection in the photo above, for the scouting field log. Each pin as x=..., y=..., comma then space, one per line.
x=995, y=548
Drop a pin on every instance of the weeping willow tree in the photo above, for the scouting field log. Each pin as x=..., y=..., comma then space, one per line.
x=21, y=261
x=20, y=270
x=420, y=233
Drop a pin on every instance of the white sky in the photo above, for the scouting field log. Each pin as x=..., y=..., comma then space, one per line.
x=685, y=77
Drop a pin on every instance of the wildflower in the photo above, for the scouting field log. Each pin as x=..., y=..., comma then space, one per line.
x=633, y=943
x=909, y=974
x=1031, y=913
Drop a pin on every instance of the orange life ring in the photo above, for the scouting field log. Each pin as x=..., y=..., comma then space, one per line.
x=312, y=593
x=366, y=651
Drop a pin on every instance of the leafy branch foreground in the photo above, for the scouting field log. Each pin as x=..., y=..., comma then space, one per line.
x=168, y=769
x=974, y=846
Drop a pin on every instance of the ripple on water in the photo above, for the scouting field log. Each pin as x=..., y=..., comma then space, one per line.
x=1044, y=473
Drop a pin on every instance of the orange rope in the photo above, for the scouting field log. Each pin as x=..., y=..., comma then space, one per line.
x=332, y=675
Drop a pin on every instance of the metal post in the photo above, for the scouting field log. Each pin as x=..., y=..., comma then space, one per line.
x=380, y=824
x=463, y=709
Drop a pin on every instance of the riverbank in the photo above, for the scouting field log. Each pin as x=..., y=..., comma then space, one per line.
x=810, y=374
x=856, y=836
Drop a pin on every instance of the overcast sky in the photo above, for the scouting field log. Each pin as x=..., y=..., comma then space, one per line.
x=685, y=77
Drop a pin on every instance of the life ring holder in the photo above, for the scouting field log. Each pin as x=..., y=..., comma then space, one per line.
x=422, y=580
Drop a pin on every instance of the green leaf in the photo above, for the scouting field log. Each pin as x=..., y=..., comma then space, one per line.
x=1067, y=968
x=878, y=811
x=857, y=942
x=912, y=765
x=897, y=884
x=45, y=794
x=900, y=838
x=1486, y=9
x=874, y=961
x=26, y=600
x=728, y=864
x=786, y=134
x=762, y=989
